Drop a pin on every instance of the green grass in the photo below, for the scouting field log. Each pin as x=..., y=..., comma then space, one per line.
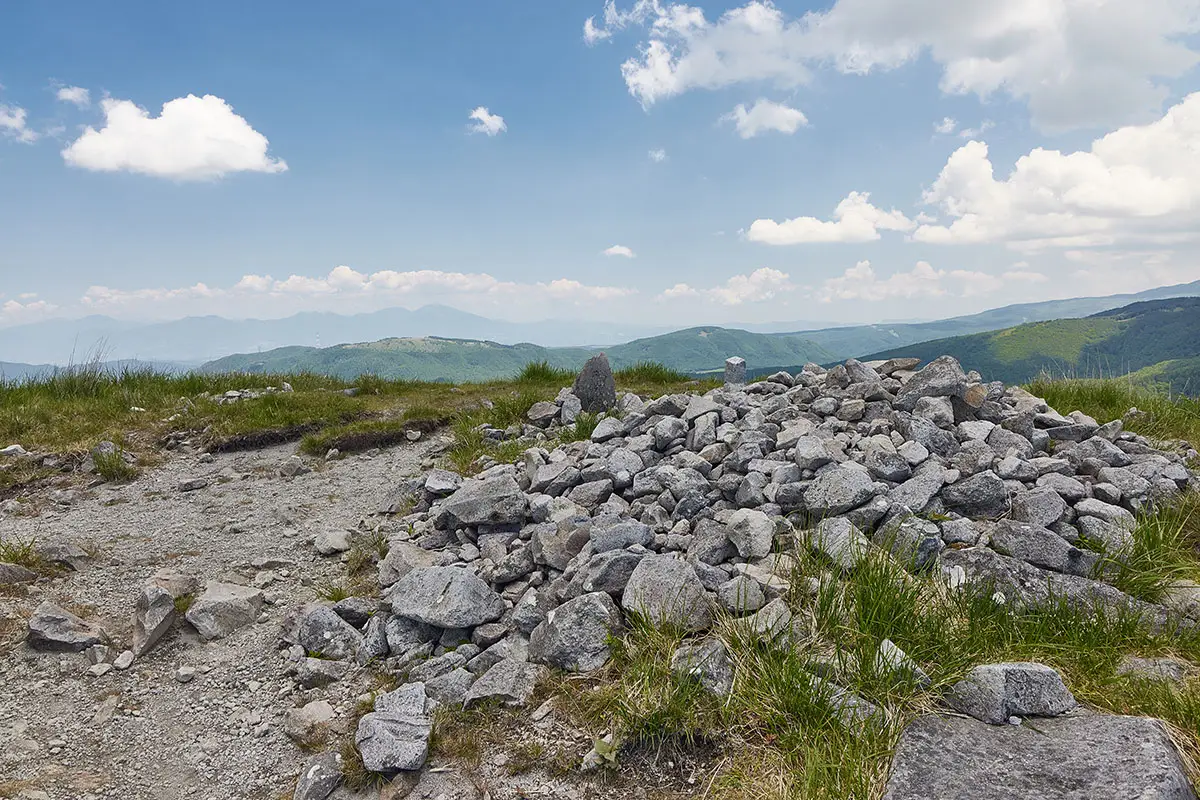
x=113, y=467
x=1164, y=551
x=540, y=373
x=23, y=553
x=1166, y=417
x=66, y=413
x=778, y=735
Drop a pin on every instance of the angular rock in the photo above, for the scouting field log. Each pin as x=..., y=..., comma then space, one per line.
x=575, y=635
x=492, y=501
x=395, y=736
x=752, y=532
x=994, y=692
x=838, y=489
x=401, y=559
x=11, y=574
x=321, y=775
x=707, y=662
x=510, y=681
x=446, y=597
x=152, y=617
x=223, y=608
x=982, y=495
x=323, y=632
x=55, y=629
x=838, y=540
x=666, y=590
x=1042, y=548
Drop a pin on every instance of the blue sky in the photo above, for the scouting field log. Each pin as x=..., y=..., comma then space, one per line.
x=622, y=137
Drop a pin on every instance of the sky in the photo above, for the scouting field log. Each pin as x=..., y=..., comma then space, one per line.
x=846, y=160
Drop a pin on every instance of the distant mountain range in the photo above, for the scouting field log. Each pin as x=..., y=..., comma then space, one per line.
x=1134, y=337
x=440, y=343
x=200, y=339
x=196, y=340
x=1156, y=341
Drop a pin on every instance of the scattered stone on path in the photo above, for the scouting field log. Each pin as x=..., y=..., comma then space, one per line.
x=223, y=608
x=53, y=628
x=152, y=617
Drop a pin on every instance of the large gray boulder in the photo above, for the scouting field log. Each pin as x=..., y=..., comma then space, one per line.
x=838, y=489
x=752, y=532
x=447, y=597
x=667, y=591
x=395, y=736
x=994, y=692
x=1077, y=757
x=942, y=377
x=594, y=386
x=56, y=629
x=492, y=501
x=323, y=632
x=223, y=608
x=575, y=635
x=1042, y=548
x=981, y=495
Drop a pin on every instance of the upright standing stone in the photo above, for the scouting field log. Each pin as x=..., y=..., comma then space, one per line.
x=594, y=386
x=735, y=371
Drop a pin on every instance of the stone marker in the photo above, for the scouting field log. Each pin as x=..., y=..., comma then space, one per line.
x=735, y=371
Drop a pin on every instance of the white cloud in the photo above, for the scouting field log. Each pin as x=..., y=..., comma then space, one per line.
x=592, y=34
x=75, y=95
x=947, y=125
x=13, y=124
x=619, y=250
x=193, y=138
x=14, y=312
x=861, y=282
x=1078, y=63
x=346, y=289
x=763, y=116
x=972, y=133
x=658, y=156
x=490, y=124
x=762, y=284
x=1136, y=183
x=855, y=220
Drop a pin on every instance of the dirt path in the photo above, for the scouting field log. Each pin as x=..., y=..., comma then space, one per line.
x=141, y=733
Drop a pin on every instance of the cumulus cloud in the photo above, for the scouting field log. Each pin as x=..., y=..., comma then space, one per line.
x=764, y=116
x=658, y=156
x=762, y=284
x=486, y=123
x=193, y=138
x=1137, y=183
x=619, y=250
x=76, y=95
x=1077, y=63
x=14, y=124
x=854, y=220
x=25, y=310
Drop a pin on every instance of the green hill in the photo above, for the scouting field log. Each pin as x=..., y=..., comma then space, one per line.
x=1155, y=341
x=435, y=359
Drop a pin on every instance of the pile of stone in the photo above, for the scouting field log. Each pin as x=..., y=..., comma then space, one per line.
x=683, y=505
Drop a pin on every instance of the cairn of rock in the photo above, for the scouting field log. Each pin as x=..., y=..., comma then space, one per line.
x=681, y=505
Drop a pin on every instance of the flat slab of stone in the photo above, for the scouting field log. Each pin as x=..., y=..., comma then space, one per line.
x=448, y=597
x=1077, y=757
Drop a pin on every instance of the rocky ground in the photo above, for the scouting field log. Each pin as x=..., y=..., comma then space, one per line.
x=686, y=509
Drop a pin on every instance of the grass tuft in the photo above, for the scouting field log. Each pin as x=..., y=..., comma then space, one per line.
x=1165, y=417
x=1163, y=551
x=650, y=372
x=540, y=372
x=113, y=466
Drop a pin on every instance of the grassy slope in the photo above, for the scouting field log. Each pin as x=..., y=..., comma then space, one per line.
x=692, y=350
x=1112, y=343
